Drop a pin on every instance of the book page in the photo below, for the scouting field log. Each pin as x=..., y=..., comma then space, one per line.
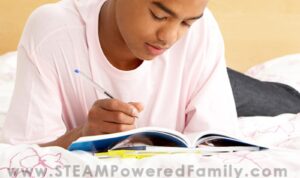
x=226, y=143
x=139, y=141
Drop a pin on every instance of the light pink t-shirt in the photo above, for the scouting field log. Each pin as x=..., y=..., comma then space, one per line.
x=186, y=88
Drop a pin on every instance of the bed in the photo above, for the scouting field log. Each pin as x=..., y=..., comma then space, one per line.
x=281, y=132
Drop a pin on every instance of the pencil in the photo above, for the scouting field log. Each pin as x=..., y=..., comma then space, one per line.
x=97, y=86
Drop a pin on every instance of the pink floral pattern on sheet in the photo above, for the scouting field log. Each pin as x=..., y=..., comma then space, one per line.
x=245, y=157
x=28, y=161
x=285, y=70
x=281, y=131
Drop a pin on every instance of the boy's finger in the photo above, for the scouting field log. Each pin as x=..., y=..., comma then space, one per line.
x=138, y=106
x=117, y=105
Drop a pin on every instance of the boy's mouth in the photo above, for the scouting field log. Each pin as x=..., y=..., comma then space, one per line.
x=155, y=50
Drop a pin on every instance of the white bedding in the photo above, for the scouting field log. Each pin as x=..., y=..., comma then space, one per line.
x=7, y=77
x=282, y=131
x=284, y=69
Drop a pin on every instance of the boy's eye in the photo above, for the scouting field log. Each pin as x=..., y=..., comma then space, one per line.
x=186, y=24
x=156, y=17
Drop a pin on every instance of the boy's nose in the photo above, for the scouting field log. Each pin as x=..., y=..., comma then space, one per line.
x=168, y=35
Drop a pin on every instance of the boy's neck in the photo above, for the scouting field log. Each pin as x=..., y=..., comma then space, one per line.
x=112, y=43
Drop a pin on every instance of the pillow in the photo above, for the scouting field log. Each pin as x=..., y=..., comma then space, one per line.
x=284, y=69
x=8, y=63
x=265, y=89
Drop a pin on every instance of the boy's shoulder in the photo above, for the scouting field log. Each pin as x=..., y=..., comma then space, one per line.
x=62, y=12
x=49, y=20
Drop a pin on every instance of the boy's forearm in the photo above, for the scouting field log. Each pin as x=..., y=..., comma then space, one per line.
x=65, y=140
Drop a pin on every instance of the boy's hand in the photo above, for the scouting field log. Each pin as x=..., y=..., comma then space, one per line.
x=111, y=116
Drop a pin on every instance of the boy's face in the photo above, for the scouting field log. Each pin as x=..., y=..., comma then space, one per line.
x=149, y=27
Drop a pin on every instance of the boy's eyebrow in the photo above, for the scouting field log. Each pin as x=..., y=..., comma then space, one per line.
x=195, y=18
x=164, y=8
x=169, y=11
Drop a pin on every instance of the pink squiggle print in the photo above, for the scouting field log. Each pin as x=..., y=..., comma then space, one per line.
x=286, y=128
x=240, y=157
x=26, y=164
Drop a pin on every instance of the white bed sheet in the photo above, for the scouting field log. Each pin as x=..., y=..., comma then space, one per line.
x=282, y=131
x=7, y=77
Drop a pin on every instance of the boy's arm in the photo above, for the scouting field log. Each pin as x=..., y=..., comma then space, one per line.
x=106, y=116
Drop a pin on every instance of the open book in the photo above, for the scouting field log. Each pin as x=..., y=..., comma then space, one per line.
x=160, y=139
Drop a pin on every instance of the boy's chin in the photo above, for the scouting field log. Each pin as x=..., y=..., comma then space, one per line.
x=147, y=57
